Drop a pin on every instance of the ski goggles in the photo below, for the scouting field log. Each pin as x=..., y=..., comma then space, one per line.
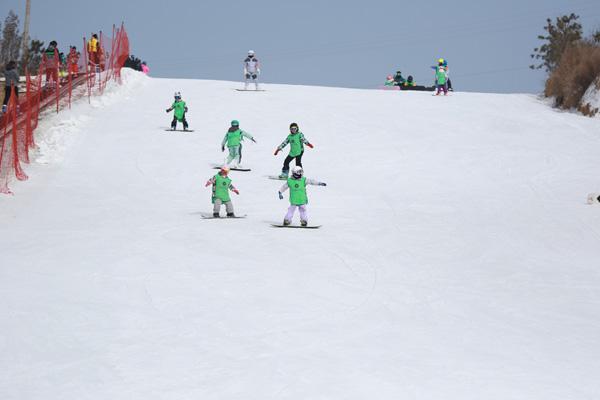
x=294, y=129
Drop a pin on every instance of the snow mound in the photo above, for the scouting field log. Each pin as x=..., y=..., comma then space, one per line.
x=591, y=99
x=57, y=132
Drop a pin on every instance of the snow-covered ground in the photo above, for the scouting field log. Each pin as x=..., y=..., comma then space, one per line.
x=457, y=258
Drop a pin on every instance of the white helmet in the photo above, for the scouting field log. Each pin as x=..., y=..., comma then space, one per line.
x=297, y=172
x=250, y=52
x=177, y=95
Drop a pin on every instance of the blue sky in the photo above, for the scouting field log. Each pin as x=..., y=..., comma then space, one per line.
x=328, y=43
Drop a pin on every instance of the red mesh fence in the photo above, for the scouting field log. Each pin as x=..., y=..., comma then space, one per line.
x=55, y=85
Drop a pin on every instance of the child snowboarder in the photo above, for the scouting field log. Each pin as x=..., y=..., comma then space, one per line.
x=251, y=70
x=221, y=185
x=233, y=139
x=298, y=198
x=441, y=77
x=179, y=114
x=297, y=141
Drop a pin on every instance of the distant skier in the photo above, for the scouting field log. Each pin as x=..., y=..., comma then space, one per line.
x=221, y=185
x=389, y=81
x=251, y=70
x=298, y=197
x=442, y=62
x=441, y=81
x=399, y=79
x=296, y=141
x=410, y=82
x=180, y=109
x=73, y=61
x=233, y=139
x=11, y=76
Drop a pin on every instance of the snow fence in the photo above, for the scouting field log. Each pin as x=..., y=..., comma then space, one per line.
x=55, y=85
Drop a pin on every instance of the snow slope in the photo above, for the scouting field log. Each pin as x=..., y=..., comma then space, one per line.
x=457, y=257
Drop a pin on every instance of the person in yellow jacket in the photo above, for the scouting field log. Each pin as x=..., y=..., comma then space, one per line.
x=92, y=48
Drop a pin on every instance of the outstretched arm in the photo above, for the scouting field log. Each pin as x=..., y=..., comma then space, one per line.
x=211, y=181
x=224, y=142
x=314, y=182
x=306, y=142
x=281, y=146
x=247, y=135
x=281, y=190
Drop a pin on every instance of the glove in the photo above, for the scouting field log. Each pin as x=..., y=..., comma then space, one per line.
x=236, y=191
x=310, y=145
x=280, y=196
x=322, y=184
x=222, y=148
x=168, y=109
x=186, y=109
x=276, y=151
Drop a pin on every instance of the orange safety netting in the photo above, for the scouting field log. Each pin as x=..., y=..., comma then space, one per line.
x=54, y=85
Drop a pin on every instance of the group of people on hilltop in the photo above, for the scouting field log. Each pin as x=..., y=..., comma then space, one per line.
x=399, y=81
x=442, y=81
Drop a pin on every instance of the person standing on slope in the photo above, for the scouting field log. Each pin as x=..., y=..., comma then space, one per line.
x=180, y=109
x=298, y=197
x=233, y=139
x=441, y=78
x=296, y=141
x=221, y=185
x=251, y=70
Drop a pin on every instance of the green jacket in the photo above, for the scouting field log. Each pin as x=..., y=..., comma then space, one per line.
x=296, y=142
x=180, y=109
x=297, y=188
x=234, y=137
x=221, y=187
x=440, y=76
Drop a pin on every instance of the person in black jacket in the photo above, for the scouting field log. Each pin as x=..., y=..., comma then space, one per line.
x=12, y=79
x=399, y=79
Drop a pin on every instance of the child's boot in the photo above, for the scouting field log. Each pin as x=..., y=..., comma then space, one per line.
x=286, y=222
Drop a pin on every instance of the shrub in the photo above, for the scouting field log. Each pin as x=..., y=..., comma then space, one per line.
x=578, y=68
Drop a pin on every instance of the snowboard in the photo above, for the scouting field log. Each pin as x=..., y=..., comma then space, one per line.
x=296, y=226
x=251, y=90
x=593, y=198
x=210, y=216
x=179, y=130
x=219, y=166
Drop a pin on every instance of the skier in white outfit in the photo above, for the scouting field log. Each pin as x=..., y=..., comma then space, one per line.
x=251, y=70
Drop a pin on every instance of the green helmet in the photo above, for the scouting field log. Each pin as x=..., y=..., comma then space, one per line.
x=235, y=122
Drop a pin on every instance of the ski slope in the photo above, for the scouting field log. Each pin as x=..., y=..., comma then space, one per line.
x=457, y=258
